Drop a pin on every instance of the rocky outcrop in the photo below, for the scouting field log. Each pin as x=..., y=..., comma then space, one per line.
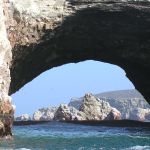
x=64, y=112
x=64, y=31
x=91, y=109
x=96, y=109
x=44, y=114
x=114, y=114
x=126, y=101
x=6, y=108
x=23, y=117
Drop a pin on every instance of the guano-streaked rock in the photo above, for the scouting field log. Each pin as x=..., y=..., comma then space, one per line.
x=65, y=113
x=44, y=114
x=96, y=109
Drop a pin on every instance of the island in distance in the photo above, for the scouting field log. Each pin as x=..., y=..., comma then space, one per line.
x=116, y=105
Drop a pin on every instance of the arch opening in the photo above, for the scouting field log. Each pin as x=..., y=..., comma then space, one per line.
x=70, y=82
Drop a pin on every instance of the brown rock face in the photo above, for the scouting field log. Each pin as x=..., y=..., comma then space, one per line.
x=6, y=118
x=114, y=115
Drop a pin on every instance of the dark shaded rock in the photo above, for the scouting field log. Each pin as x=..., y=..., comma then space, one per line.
x=113, y=115
x=116, y=33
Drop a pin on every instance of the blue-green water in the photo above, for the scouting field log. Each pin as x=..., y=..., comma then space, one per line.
x=63, y=136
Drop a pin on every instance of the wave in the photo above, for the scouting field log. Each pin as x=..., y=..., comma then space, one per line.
x=138, y=147
x=2, y=148
x=22, y=149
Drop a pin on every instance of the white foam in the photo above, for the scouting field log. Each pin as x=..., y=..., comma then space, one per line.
x=23, y=149
x=138, y=147
x=2, y=148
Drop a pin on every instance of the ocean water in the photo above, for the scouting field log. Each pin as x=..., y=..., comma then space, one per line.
x=65, y=136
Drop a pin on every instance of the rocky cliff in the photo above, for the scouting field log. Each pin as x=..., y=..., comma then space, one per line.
x=92, y=108
x=37, y=35
x=126, y=101
x=64, y=31
x=6, y=107
x=97, y=109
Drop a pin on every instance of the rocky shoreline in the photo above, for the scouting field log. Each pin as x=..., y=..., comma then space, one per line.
x=92, y=111
x=92, y=107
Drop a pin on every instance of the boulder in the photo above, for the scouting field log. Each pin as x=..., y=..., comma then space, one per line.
x=44, y=114
x=113, y=115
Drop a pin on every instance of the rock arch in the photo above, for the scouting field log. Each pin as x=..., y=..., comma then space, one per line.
x=45, y=35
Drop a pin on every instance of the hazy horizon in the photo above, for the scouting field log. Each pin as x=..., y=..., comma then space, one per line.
x=60, y=84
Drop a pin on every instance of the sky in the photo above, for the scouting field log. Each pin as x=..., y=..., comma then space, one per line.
x=58, y=85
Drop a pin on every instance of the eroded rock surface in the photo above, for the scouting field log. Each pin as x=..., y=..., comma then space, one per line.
x=92, y=108
x=126, y=101
x=65, y=31
x=45, y=114
x=96, y=109
x=6, y=108
x=65, y=112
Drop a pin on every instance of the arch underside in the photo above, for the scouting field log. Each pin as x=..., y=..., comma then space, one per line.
x=117, y=33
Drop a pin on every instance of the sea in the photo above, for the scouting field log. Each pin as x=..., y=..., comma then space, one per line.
x=67, y=136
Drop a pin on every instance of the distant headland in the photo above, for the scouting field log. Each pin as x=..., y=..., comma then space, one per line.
x=116, y=108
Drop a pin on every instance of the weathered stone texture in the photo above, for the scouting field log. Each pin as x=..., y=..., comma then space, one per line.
x=92, y=108
x=6, y=109
x=44, y=114
x=64, y=31
x=64, y=112
x=97, y=109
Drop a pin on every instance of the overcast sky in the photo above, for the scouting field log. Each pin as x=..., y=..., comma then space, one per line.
x=60, y=84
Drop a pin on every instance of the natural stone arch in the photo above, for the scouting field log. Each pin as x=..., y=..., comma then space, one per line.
x=45, y=34
x=116, y=33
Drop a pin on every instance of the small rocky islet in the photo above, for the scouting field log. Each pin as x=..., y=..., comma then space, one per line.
x=95, y=107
